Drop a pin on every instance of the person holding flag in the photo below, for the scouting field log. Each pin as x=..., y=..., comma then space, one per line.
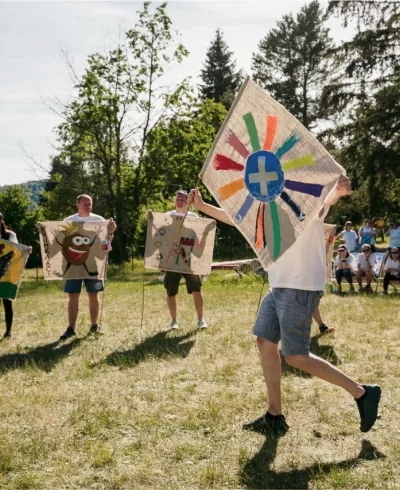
x=7, y=234
x=285, y=316
x=73, y=287
x=171, y=279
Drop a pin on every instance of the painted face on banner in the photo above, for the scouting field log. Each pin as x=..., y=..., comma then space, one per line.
x=75, y=248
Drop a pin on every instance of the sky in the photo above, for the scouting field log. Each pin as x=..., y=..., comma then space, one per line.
x=33, y=72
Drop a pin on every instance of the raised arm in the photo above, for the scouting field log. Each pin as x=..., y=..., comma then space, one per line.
x=341, y=189
x=197, y=202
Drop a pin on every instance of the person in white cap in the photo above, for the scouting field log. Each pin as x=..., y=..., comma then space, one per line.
x=344, y=268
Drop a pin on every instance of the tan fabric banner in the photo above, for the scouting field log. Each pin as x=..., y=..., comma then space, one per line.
x=13, y=258
x=329, y=233
x=268, y=172
x=191, y=246
x=74, y=249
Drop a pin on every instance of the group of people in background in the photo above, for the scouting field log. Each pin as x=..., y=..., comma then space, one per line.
x=361, y=266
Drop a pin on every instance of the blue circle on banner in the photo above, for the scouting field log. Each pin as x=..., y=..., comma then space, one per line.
x=264, y=177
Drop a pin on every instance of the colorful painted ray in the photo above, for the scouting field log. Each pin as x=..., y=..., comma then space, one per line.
x=264, y=178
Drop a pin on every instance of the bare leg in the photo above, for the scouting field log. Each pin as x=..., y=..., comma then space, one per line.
x=359, y=275
x=94, y=307
x=319, y=367
x=198, y=304
x=368, y=276
x=73, y=308
x=171, y=302
x=271, y=364
x=317, y=317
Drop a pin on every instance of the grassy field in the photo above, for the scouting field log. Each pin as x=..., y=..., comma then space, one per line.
x=142, y=408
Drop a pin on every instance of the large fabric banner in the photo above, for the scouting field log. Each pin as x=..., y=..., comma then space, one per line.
x=186, y=248
x=74, y=249
x=329, y=233
x=13, y=258
x=268, y=172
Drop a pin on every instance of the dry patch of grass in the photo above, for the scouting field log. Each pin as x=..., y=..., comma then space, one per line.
x=144, y=408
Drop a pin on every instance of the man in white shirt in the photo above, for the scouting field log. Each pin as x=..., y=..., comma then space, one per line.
x=365, y=267
x=297, y=280
x=193, y=281
x=73, y=287
x=350, y=237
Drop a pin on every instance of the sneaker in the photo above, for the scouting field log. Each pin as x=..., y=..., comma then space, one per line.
x=94, y=329
x=7, y=334
x=325, y=329
x=339, y=290
x=268, y=425
x=385, y=292
x=201, y=323
x=352, y=290
x=368, y=289
x=368, y=406
x=174, y=325
x=70, y=332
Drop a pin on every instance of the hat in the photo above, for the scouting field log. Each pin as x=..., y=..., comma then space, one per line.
x=366, y=246
x=394, y=249
x=342, y=247
x=348, y=223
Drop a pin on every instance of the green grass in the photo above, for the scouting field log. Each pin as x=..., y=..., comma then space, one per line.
x=142, y=408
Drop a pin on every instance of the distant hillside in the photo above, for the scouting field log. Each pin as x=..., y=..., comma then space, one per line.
x=33, y=188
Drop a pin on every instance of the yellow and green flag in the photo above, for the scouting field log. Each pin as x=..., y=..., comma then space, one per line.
x=13, y=258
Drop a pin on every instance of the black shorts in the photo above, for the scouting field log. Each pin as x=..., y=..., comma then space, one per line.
x=171, y=283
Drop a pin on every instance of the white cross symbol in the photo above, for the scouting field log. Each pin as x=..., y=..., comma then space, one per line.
x=262, y=177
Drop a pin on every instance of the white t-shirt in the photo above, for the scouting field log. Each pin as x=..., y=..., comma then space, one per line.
x=368, y=230
x=390, y=263
x=175, y=213
x=303, y=266
x=349, y=260
x=394, y=237
x=90, y=218
x=350, y=238
x=12, y=237
x=363, y=261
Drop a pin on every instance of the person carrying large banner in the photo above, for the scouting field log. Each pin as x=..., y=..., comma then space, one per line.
x=75, y=250
x=182, y=247
x=13, y=258
x=276, y=183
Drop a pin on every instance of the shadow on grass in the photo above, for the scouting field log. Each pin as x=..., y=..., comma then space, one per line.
x=257, y=472
x=161, y=345
x=326, y=352
x=44, y=357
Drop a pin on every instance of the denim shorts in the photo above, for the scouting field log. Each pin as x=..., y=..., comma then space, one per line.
x=73, y=286
x=286, y=315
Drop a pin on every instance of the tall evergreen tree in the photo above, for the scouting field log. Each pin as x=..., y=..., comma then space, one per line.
x=292, y=62
x=364, y=97
x=220, y=78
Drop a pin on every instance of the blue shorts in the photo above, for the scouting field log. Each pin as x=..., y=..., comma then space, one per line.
x=73, y=286
x=286, y=315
